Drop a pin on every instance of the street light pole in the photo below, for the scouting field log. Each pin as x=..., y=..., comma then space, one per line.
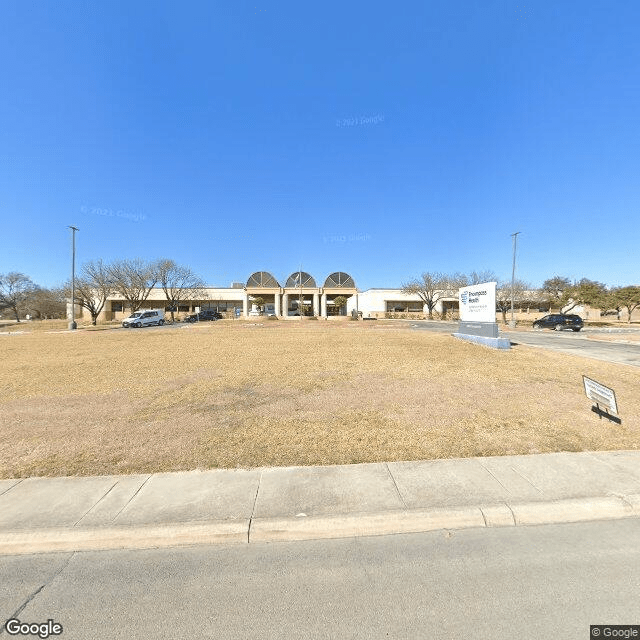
x=512, y=324
x=300, y=298
x=72, y=324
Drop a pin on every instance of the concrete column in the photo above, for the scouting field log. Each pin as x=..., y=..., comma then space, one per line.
x=285, y=304
x=245, y=305
x=277, y=304
x=316, y=300
x=323, y=305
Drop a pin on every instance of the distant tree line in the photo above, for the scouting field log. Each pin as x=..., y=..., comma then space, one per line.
x=20, y=296
x=560, y=292
x=96, y=282
x=564, y=294
x=433, y=286
x=133, y=280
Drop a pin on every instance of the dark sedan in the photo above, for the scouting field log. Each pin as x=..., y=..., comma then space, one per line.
x=204, y=315
x=559, y=321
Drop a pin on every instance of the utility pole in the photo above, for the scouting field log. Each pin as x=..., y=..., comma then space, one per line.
x=300, y=297
x=72, y=324
x=512, y=324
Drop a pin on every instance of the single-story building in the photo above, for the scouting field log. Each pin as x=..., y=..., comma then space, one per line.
x=300, y=294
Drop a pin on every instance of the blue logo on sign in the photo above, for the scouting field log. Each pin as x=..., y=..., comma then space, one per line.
x=463, y=296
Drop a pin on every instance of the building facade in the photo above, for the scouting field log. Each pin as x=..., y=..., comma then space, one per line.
x=299, y=295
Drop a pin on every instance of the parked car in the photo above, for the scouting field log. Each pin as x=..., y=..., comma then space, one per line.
x=144, y=318
x=204, y=315
x=559, y=321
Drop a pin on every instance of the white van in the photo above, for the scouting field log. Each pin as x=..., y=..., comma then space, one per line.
x=144, y=318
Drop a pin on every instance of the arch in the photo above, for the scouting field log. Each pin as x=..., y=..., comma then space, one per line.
x=300, y=279
x=339, y=280
x=263, y=280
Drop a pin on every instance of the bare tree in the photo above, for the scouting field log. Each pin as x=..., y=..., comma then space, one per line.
x=433, y=286
x=93, y=287
x=503, y=295
x=133, y=280
x=479, y=277
x=179, y=284
x=628, y=297
x=46, y=303
x=14, y=291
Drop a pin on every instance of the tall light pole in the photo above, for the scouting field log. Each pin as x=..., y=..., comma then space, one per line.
x=512, y=324
x=300, y=298
x=72, y=324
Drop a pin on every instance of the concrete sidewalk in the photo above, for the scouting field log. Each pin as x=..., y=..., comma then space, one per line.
x=294, y=503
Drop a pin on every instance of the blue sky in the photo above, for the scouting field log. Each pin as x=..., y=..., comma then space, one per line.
x=379, y=139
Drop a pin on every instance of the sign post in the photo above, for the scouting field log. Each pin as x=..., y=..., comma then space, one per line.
x=601, y=395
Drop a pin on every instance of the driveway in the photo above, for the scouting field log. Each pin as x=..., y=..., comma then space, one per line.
x=571, y=342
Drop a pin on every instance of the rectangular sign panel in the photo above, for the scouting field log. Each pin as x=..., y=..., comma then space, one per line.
x=600, y=394
x=478, y=303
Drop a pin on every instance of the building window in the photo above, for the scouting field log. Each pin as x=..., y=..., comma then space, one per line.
x=404, y=306
x=117, y=306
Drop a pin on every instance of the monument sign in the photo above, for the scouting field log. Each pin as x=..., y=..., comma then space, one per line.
x=478, y=316
x=478, y=303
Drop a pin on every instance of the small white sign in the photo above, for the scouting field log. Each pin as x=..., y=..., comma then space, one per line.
x=478, y=303
x=600, y=394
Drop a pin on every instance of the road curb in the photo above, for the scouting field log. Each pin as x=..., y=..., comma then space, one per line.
x=299, y=528
x=423, y=520
x=364, y=524
x=576, y=510
x=105, y=538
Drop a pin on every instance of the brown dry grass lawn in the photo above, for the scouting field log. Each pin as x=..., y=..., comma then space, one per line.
x=31, y=326
x=233, y=394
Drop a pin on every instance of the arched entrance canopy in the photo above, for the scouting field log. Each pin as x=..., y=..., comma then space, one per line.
x=262, y=279
x=300, y=279
x=339, y=280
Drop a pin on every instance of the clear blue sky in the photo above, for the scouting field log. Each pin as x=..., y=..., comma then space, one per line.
x=381, y=139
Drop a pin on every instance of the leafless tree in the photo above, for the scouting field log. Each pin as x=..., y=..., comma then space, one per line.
x=93, y=287
x=479, y=277
x=504, y=292
x=133, y=280
x=46, y=303
x=179, y=284
x=433, y=286
x=14, y=291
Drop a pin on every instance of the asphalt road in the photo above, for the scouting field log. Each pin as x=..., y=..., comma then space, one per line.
x=575, y=343
x=522, y=582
